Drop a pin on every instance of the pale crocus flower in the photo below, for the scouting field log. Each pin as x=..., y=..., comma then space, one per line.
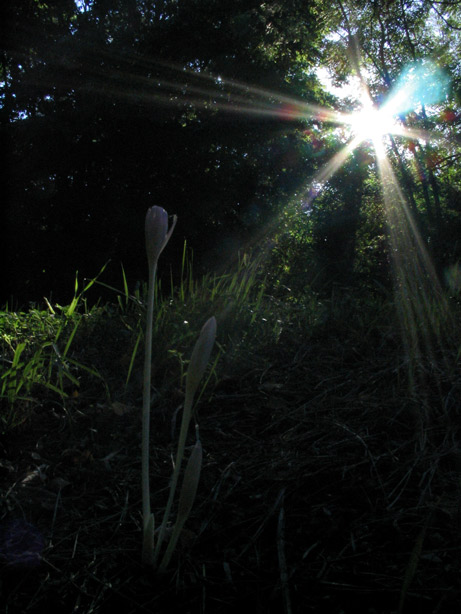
x=157, y=233
x=157, y=236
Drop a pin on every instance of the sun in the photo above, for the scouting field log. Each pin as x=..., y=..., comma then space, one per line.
x=370, y=123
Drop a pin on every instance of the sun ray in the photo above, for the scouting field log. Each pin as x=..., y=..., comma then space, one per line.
x=329, y=169
x=424, y=313
x=171, y=84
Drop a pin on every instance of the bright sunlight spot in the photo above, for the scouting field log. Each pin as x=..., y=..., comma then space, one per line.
x=371, y=124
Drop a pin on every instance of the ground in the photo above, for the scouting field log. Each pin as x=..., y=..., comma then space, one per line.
x=329, y=484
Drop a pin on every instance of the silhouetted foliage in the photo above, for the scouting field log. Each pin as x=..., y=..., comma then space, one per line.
x=110, y=107
x=117, y=106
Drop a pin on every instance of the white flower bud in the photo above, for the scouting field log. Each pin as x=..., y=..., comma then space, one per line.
x=157, y=234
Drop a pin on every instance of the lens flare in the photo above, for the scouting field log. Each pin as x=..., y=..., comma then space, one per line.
x=420, y=84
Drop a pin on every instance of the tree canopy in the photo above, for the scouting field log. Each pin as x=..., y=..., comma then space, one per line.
x=213, y=110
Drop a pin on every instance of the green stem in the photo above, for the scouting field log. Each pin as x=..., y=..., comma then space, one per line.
x=186, y=500
x=146, y=400
x=174, y=480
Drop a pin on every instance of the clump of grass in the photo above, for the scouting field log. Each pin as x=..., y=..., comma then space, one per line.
x=35, y=352
x=52, y=351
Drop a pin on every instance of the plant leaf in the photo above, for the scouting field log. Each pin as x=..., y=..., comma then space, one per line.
x=200, y=357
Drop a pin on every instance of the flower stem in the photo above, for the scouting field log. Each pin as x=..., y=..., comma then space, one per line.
x=146, y=400
x=187, y=412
